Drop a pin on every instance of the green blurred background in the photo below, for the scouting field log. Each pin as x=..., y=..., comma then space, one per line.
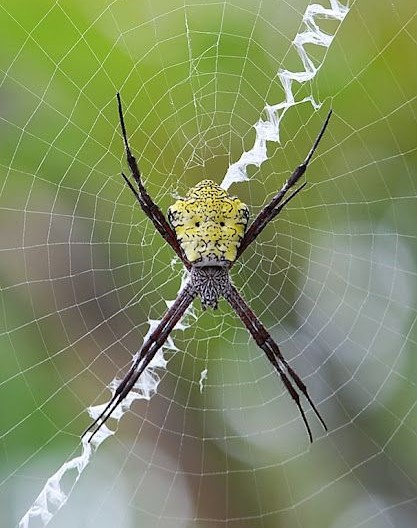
x=82, y=271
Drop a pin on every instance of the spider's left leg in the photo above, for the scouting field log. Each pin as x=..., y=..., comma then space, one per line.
x=271, y=349
x=149, y=207
x=270, y=211
x=149, y=348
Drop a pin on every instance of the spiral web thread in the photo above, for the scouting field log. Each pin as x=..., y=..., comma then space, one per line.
x=52, y=496
x=84, y=276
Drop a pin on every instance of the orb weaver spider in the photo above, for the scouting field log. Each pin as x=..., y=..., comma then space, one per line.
x=208, y=231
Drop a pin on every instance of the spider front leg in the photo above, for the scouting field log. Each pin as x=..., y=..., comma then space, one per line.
x=273, y=353
x=149, y=348
x=270, y=211
x=149, y=207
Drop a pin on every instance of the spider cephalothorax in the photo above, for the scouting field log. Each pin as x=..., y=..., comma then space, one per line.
x=210, y=284
x=209, y=232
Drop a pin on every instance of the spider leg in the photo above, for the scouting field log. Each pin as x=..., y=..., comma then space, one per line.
x=270, y=211
x=149, y=207
x=149, y=348
x=273, y=353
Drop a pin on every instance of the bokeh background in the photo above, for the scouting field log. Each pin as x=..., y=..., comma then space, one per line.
x=82, y=271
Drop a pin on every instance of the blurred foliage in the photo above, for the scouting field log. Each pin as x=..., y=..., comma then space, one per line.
x=82, y=270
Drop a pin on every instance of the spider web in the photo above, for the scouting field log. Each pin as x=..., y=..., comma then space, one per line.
x=214, y=439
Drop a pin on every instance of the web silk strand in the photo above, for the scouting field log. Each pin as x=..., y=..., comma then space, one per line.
x=53, y=497
x=269, y=129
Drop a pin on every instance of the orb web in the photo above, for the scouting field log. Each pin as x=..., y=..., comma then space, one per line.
x=214, y=89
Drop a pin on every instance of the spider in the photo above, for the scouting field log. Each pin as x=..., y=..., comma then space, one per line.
x=208, y=230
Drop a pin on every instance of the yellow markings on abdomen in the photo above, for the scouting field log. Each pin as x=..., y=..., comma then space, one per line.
x=209, y=224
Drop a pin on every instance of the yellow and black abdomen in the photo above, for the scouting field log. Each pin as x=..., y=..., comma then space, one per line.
x=209, y=224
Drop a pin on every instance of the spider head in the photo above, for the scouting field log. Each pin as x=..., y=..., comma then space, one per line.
x=209, y=224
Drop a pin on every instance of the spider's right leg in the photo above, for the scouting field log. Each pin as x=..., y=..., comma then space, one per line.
x=149, y=207
x=149, y=348
x=275, y=206
x=267, y=344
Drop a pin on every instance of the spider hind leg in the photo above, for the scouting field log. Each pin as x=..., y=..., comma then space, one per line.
x=273, y=353
x=147, y=352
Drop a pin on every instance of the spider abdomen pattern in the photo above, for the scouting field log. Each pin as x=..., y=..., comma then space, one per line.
x=209, y=224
